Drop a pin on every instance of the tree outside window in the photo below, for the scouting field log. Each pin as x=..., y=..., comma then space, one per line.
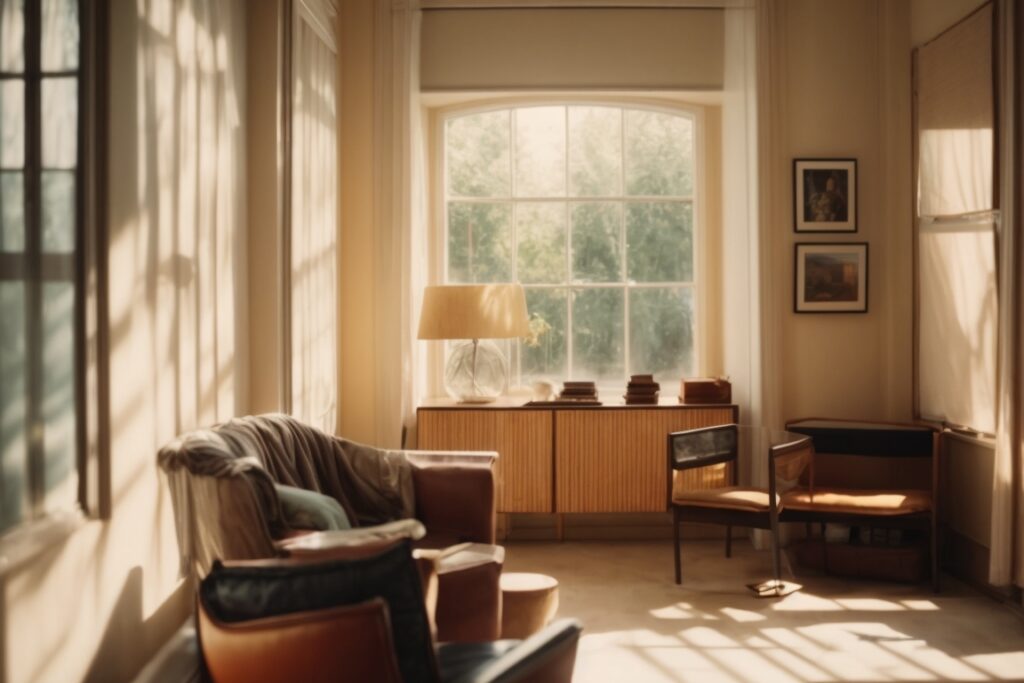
x=591, y=207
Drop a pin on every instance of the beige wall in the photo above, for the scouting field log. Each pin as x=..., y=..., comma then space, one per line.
x=929, y=18
x=357, y=396
x=845, y=93
x=97, y=604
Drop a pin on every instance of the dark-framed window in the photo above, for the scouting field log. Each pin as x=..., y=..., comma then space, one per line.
x=42, y=259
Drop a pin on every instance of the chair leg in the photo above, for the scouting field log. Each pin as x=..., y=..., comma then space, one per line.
x=824, y=551
x=935, y=556
x=776, y=551
x=675, y=538
x=728, y=540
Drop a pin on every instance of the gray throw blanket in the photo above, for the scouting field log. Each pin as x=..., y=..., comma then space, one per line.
x=222, y=484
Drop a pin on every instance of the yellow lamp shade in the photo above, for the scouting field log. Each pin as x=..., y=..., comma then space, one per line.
x=495, y=311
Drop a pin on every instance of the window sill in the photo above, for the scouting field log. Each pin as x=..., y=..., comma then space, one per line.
x=29, y=540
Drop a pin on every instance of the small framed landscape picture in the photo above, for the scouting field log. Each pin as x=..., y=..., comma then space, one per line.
x=825, y=195
x=831, y=278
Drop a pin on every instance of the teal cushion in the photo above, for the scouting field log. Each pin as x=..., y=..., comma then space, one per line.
x=304, y=509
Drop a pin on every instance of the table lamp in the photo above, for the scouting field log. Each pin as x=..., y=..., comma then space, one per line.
x=476, y=371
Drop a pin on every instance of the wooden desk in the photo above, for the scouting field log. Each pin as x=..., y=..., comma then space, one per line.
x=569, y=459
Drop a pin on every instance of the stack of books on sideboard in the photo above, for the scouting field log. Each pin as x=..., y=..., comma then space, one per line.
x=642, y=390
x=579, y=392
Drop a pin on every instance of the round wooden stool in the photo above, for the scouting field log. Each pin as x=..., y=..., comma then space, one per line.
x=528, y=603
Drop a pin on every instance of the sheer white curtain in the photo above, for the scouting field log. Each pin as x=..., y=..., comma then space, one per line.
x=400, y=249
x=314, y=216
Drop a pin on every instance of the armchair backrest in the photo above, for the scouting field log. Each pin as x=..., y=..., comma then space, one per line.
x=253, y=593
x=222, y=484
x=350, y=643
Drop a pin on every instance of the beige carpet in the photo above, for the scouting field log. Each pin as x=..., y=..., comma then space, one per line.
x=640, y=627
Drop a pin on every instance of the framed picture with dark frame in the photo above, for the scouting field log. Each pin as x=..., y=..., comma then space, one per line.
x=825, y=195
x=830, y=277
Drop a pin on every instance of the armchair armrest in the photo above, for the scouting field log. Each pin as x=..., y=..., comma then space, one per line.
x=431, y=458
x=328, y=544
x=455, y=498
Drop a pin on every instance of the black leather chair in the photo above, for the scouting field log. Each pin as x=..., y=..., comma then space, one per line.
x=356, y=619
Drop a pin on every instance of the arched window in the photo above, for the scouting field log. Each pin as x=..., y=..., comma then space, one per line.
x=592, y=208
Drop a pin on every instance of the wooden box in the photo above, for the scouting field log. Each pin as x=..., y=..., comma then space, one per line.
x=705, y=390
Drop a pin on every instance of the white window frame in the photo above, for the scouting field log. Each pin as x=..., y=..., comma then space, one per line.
x=438, y=266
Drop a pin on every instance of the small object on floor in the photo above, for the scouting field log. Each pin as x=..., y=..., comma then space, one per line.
x=773, y=589
x=528, y=603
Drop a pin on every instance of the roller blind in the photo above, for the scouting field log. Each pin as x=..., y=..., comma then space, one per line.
x=512, y=49
x=956, y=226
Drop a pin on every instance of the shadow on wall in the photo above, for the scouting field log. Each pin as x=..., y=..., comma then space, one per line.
x=115, y=659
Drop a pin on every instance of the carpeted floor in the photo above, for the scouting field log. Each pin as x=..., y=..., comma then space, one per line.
x=640, y=627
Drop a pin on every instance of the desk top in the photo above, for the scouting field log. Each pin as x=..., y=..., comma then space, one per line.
x=885, y=439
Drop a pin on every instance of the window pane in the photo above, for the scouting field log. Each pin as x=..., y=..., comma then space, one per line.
x=659, y=241
x=659, y=154
x=541, y=236
x=479, y=242
x=13, y=404
x=60, y=122
x=12, y=35
x=540, y=152
x=544, y=352
x=58, y=211
x=597, y=334
x=58, y=407
x=60, y=35
x=12, y=123
x=478, y=155
x=661, y=333
x=596, y=247
x=595, y=151
x=12, y=215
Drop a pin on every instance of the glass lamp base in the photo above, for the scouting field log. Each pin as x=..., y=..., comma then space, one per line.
x=476, y=372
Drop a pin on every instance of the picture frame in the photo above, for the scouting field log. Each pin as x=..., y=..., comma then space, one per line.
x=830, y=277
x=825, y=195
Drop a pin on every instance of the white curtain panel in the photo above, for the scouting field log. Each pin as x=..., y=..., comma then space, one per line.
x=314, y=217
x=400, y=249
x=957, y=326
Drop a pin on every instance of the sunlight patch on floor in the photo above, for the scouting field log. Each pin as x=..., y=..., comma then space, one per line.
x=640, y=627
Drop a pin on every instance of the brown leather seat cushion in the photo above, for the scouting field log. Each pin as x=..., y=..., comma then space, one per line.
x=728, y=497
x=859, y=502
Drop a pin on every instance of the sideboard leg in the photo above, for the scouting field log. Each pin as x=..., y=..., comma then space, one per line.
x=560, y=526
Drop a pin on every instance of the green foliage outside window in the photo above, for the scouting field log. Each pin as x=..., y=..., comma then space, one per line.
x=591, y=208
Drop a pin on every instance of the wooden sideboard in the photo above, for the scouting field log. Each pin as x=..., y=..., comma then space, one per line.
x=567, y=459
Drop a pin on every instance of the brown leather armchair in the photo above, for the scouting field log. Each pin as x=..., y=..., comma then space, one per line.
x=222, y=488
